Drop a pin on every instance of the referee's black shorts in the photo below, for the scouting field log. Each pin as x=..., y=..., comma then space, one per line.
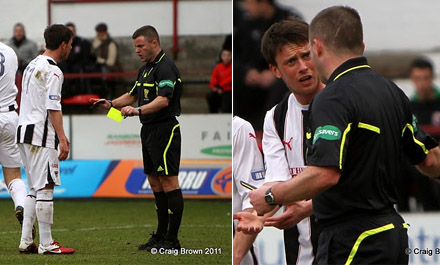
x=365, y=239
x=161, y=148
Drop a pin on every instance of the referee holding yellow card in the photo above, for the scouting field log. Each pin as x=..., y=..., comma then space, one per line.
x=157, y=90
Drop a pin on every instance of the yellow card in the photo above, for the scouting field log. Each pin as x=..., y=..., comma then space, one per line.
x=115, y=114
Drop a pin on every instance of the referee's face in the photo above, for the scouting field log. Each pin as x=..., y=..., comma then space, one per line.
x=295, y=67
x=145, y=49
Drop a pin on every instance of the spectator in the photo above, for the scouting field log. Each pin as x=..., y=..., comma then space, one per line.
x=425, y=103
x=105, y=49
x=79, y=61
x=25, y=49
x=426, y=99
x=220, y=96
x=257, y=89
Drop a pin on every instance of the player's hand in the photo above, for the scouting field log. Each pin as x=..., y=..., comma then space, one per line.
x=64, y=149
x=102, y=102
x=129, y=111
x=258, y=202
x=249, y=223
x=293, y=214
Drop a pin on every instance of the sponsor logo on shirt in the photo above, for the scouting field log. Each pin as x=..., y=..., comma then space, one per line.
x=54, y=97
x=288, y=143
x=166, y=83
x=327, y=132
x=258, y=174
x=414, y=123
x=296, y=170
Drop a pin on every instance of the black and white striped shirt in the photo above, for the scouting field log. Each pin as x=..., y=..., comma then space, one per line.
x=41, y=92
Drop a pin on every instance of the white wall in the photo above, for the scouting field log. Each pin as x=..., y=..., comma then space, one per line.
x=123, y=18
x=33, y=15
x=388, y=25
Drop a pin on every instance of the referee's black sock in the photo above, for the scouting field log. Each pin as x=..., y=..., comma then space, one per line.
x=161, y=201
x=175, y=207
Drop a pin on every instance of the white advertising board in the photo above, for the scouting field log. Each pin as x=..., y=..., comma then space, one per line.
x=204, y=136
x=424, y=238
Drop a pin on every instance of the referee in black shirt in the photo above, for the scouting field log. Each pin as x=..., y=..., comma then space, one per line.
x=360, y=126
x=157, y=90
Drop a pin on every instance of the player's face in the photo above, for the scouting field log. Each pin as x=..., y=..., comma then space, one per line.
x=422, y=79
x=145, y=49
x=295, y=67
x=65, y=51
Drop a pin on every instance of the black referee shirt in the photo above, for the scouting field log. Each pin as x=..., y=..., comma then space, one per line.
x=158, y=78
x=362, y=123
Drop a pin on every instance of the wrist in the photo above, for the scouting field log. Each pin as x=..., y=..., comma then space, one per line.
x=268, y=197
x=139, y=110
x=111, y=102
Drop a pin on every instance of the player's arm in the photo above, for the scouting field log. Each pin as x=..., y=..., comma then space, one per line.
x=242, y=243
x=431, y=165
x=56, y=117
x=292, y=215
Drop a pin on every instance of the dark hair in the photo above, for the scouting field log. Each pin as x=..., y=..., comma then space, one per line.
x=19, y=24
x=289, y=31
x=270, y=2
x=70, y=24
x=101, y=27
x=340, y=28
x=149, y=32
x=422, y=63
x=56, y=34
x=227, y=43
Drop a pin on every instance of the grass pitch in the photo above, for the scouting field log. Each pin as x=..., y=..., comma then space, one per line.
x=109, y=231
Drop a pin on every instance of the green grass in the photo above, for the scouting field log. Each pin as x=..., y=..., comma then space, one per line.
x=108, y=232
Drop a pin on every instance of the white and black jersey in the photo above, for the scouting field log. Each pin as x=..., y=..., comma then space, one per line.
x=284, y=158
x=41, y=92
x=248, y=166
x=8, y=69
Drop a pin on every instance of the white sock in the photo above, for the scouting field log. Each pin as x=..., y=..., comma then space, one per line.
x=17, y=189
x=29, y=217
x=45, y=216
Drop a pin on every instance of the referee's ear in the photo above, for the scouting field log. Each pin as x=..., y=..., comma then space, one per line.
x=155, y=43
x=275, y=70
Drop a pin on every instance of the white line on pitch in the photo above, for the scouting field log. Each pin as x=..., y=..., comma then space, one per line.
x=116, y=227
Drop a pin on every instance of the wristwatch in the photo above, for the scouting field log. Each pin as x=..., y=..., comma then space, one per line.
x=269, y=197
x=139, y=110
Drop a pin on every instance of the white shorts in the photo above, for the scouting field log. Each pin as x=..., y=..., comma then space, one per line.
x=41, y=165
x=9, y=154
